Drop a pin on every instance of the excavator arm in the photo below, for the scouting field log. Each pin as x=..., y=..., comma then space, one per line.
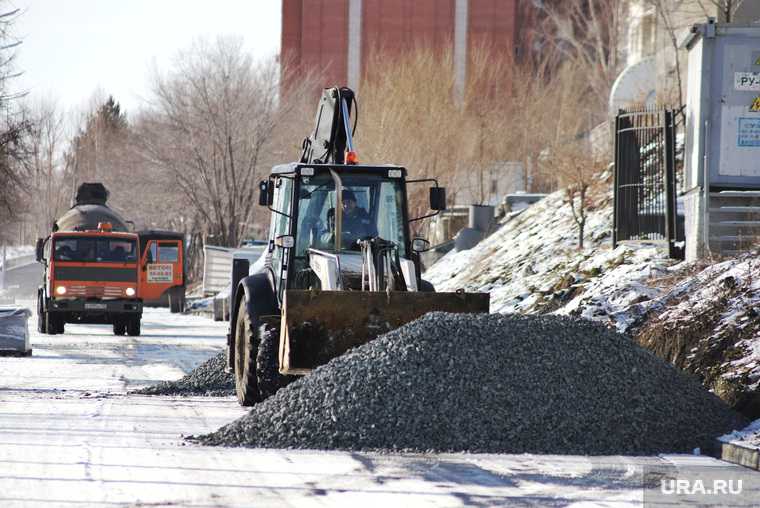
x=332, y=139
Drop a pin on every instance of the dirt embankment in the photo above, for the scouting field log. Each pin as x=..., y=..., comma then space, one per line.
x=709, y=325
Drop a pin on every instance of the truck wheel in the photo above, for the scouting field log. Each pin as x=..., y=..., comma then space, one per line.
x=174, y=306
x=41, y=315
x=427, y=287
x=133, y=327
x=246, y=349
x=51, y=323
x=177, y=300
x=267, y=363
x=119, y=328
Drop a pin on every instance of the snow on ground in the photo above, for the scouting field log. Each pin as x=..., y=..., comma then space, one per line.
x=532, y=265
x=708, y=324
x=748, y=437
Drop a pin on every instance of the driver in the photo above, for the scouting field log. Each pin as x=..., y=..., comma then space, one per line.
x=357, y=223
x=356, y=220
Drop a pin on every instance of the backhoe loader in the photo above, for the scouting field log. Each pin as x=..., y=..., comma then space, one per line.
x=341, y=267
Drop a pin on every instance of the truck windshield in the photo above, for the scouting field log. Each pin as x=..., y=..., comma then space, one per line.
x=91, y=249
x=372, y=206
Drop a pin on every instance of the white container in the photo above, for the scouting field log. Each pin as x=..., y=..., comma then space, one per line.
x=14, y=331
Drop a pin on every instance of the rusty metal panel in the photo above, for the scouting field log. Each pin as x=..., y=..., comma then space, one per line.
x=320, y=325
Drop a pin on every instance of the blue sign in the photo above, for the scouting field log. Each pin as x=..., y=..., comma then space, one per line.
x=749, y=132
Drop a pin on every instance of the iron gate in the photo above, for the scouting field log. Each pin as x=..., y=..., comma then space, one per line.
x=645, y=178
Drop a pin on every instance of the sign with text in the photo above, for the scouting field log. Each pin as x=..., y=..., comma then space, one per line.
x=700, y=486
x=160, y=272
x=747, y=81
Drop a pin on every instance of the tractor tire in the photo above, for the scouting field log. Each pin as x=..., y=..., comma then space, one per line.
x=246, y=351
x=427, y=287
x=119, y=328
x=41, y=315
x=133, y=327
x=268, y=374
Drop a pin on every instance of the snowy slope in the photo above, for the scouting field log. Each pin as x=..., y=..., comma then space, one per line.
x=532, y=265
x=708, y=324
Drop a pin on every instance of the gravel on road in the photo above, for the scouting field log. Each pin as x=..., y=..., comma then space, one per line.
x=490, y=383
x=209, y=378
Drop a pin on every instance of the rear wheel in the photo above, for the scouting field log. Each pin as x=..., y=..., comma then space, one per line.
x=133, y=327
x=246, y=349
x=119, y=328
x=267, y=363
x=177, y=300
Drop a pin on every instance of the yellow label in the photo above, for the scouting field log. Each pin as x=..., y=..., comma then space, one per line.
x=755, y=105
x=757, y=62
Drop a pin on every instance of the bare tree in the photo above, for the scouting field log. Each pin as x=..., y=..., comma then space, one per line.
x=727, y=9
x=14, y=124
x=210, y=124
x=46, y=139
x=576, y=168
x=587, y=33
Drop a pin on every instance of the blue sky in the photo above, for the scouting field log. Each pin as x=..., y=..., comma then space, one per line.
x=71, y=48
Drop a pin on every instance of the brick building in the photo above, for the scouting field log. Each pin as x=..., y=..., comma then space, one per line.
x=335, y=37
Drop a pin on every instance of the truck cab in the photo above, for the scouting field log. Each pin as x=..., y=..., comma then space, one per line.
x=162, y=269
x=90, y=276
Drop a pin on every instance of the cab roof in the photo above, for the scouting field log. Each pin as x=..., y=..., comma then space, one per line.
x=292, y=167
x=89, y=232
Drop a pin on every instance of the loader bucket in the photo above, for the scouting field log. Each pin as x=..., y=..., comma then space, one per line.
x=318, y=326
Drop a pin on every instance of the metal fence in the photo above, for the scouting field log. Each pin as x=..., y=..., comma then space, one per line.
x=645, y=178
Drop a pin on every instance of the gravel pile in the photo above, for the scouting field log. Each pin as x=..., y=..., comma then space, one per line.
x=493, y=384
x=209, y=378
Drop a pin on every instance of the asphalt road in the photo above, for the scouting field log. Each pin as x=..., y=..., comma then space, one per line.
x=71, y=435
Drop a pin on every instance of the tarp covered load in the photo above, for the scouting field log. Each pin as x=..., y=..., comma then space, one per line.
x=87, y=217
x=89, y=210
x=14, y=332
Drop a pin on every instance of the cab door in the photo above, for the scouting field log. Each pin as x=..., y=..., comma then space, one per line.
x=162, y=265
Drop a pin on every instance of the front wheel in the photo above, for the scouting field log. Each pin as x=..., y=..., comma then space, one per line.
x=53, y=323
x=133, y=327
x=119, y=328
x=246, y=350
x=41, y=314
x=267, y=363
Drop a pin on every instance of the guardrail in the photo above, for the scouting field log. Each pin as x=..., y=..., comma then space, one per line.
x=18, y=261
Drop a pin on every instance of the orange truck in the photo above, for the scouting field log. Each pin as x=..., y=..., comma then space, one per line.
x=162, y=269
x=91, y=268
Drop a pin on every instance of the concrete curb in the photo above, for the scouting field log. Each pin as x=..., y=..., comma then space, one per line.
x=736, y=454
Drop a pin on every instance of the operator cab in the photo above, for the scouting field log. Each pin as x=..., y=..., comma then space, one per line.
x=365, y=206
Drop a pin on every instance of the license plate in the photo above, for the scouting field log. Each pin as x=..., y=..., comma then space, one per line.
x=95, y=306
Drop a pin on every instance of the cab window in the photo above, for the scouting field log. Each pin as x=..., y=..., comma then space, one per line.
x=168, y=252
x=152, y=253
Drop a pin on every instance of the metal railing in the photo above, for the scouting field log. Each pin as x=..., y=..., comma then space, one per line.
x=645, y=178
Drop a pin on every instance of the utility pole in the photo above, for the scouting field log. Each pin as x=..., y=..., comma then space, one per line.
x=2, y=272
